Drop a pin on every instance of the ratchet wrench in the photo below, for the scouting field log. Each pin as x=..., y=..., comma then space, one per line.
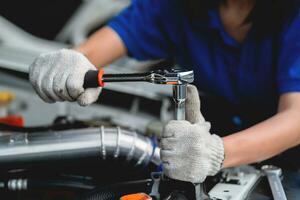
x=179, y=79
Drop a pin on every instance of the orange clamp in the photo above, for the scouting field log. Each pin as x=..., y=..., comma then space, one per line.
x=139, y=196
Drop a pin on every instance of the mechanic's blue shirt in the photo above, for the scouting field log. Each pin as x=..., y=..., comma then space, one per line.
x=251, y=72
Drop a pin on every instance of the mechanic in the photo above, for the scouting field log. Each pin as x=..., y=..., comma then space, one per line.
x=245, y=51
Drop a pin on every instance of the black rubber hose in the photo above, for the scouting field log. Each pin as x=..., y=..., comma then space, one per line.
x=63, y=184
x=103, y=195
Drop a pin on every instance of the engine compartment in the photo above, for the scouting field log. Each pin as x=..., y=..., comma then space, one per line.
x=94, y=173
x=59, y=152
x=85, y=174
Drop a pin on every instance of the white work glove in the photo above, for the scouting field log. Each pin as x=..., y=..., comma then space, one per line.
x=188, y=151
x=59, y=76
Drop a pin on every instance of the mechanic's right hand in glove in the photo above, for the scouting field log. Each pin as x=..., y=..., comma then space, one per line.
x=189, y=151
x=59, y=76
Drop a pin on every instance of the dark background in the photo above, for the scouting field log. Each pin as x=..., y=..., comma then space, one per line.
x=43, y=18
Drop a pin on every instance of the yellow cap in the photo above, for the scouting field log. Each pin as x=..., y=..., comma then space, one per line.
x=6, y=97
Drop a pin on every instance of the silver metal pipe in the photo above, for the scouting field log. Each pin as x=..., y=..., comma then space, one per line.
x=105, y=143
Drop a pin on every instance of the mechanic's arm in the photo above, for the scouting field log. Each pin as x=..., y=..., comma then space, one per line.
x=59, y=76
x=267, y=138
x=103, y=47
x=189, y=151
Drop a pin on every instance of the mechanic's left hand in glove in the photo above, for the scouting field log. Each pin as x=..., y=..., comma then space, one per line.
x=189, y=152
x=59, y=76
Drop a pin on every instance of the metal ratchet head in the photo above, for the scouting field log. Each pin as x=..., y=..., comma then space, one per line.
x=173, y=77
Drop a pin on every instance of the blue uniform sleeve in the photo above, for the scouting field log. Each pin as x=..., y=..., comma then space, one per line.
x=140, y=27
x=288, y=78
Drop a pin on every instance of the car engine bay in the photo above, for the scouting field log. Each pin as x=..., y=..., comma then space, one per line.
x=106, y=151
